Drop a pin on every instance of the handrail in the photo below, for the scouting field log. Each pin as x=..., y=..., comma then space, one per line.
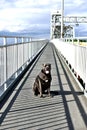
x=75, y=55
x=14, y=58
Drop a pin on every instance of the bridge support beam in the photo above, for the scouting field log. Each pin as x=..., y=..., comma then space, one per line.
x=62, y=15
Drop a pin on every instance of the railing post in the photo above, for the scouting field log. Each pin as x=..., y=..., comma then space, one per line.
x=77, y=57
x=78, y=41
x=30, y=39
x=85, y=91
x=16, y=58
x=72, y=40
x=28, y=52
x=5, y=62
x=31, y=47
x=23, y=53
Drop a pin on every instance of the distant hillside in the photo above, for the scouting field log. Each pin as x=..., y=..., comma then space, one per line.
x=7, y=33
x=30, y=33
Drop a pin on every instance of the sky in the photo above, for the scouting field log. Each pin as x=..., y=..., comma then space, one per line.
x=23, y=15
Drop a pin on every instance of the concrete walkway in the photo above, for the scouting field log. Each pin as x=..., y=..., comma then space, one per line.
x=66, y=110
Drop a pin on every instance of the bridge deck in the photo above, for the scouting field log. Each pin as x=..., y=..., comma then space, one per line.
x=66, y=110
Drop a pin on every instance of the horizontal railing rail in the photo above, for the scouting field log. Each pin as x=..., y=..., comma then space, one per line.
x=76, y=56
x=15, y=57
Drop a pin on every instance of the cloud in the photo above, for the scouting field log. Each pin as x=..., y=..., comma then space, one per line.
x=74, y=7
x=18, y=15
x=21, y=13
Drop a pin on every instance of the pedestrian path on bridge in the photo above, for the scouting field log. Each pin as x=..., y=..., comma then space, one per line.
x=66, y=110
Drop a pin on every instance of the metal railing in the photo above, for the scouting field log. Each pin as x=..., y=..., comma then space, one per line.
x=75, y=52
x=14, y=57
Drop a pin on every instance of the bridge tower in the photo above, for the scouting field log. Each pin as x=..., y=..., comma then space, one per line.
x=68, y=29
x=55, y=24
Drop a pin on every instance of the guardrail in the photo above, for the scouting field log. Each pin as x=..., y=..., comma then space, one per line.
x=15, y=57
x=76, y=56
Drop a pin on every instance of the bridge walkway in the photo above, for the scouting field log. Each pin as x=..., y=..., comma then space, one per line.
x=66, y=110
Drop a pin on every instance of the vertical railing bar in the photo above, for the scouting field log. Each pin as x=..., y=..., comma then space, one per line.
x=77, y=57
x=85, y=91
x=23, y=54
x=16, y=58
x=28, y=53
x=5, y=62
x=31, y=48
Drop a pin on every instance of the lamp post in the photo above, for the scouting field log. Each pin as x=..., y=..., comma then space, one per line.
x=62, y=15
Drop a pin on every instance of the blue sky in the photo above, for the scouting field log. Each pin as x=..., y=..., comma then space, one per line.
x=19, y=15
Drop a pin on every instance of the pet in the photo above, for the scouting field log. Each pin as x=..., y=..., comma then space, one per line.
x=43, y=81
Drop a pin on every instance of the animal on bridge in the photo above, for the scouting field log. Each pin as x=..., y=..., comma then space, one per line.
x=42, y=82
